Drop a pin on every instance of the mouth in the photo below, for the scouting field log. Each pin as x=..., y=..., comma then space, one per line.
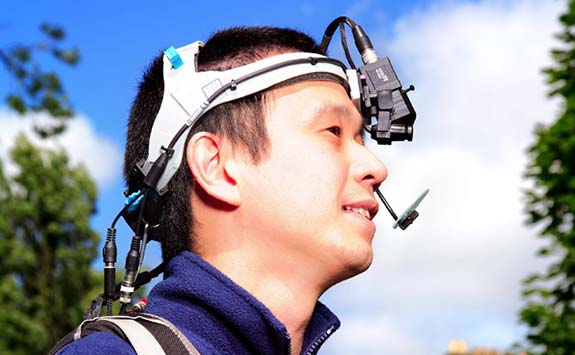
x=366, y=209
x=360, y=211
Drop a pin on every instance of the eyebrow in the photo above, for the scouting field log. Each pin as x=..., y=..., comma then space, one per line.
x=343, y=112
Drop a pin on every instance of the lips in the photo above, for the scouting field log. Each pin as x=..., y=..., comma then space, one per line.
x=360, y=211
x=367, y=209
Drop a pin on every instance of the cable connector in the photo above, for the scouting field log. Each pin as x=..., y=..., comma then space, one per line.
x=109, y=254
x=132, y=265
x=138, y=307
x=364, y=46
x=158, y=168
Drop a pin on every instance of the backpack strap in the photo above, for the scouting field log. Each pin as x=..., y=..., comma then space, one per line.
x=86, y=328
x=172, y=340
x=148, y=334
x=142, y=340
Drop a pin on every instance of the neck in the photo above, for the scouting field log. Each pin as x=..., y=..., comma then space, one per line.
x=288, y=285
x=289, y=304
x=283, y=289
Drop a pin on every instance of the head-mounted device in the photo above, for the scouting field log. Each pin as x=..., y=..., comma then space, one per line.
x=189, y=94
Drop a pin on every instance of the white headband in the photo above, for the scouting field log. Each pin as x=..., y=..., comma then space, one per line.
x=188, y=93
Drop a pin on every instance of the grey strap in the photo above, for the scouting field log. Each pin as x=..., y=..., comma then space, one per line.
x=183, y=339
x=148, y=334
x=141, y=339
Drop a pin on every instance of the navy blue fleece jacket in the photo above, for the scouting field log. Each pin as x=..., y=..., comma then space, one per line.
x=217, y=315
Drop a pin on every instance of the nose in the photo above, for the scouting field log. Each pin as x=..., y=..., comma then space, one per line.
x=367, y=169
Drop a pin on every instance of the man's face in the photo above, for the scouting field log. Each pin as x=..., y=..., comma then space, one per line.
x=311, y=201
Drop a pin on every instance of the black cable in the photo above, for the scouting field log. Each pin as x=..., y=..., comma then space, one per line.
x=141, y=212
x=343, y=38
x=123, y=309
x=234, y=82
x=143, y=247
x=143, y=278
x=131, y=270
x=330, y=30
x=147, y=276
x=310, y=60
x=109, y=254
x=386, y=204
x=95, y=307
x=133, y=259
x=362, y=41
x=109, y=306
x=125, y=208
x=158, y=167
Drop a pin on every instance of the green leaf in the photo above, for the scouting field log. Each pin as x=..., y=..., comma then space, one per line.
x=39, y=89
x=550, y=309
x=45, y=236
x=22, y=54
x=69, y=56
x=53, y=31
x=16, y=103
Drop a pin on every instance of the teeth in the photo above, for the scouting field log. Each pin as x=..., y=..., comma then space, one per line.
x=361, y=211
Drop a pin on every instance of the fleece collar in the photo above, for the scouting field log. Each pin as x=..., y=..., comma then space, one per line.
x=221, y=317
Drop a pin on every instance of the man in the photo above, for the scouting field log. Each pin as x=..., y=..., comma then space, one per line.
x=271, y=206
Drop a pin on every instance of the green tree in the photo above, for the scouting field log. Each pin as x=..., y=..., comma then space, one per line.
x=550, y=309
x=38, y=89
x=47, y=247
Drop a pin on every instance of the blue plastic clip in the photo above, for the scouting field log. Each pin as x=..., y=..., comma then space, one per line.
x=174, y=57
x=133, y=206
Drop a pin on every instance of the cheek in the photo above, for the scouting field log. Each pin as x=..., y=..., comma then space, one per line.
x=301, y=184
x=311, y=175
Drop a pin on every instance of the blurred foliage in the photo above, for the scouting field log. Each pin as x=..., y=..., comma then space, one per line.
x=550, y=309
x=37, y=89
x=47, y=248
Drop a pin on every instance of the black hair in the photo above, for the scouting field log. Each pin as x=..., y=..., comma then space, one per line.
x=241, y=122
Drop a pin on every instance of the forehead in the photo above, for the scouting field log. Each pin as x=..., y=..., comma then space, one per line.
x=310, y=101
x=337, y=110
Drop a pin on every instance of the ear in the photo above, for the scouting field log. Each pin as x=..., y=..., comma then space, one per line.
x=211, y=164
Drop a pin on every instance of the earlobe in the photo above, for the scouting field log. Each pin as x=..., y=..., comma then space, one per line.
x=211, y=165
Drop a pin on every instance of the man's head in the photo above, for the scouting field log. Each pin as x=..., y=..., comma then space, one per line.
x=243, y=124
x=239, y=132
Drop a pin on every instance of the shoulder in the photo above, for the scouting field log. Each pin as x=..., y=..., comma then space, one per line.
x=96, y=344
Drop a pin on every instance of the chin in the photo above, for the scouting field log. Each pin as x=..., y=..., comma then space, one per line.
x=360, y=266
x=354, y=262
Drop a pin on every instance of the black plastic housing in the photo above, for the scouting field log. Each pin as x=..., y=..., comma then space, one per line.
x=384, y=100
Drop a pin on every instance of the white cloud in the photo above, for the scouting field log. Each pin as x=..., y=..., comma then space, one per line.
x=372, y=334
x=456, y=272
x=99, y=154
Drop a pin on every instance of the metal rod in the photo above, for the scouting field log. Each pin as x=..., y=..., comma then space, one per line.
x=386, y=204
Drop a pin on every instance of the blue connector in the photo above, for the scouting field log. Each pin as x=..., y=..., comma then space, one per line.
x=133, y=206
x=174, y=57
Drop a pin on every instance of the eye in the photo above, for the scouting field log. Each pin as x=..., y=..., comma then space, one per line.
x=335, y=130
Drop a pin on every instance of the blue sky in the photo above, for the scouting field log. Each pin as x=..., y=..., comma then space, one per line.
x=454, y=274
